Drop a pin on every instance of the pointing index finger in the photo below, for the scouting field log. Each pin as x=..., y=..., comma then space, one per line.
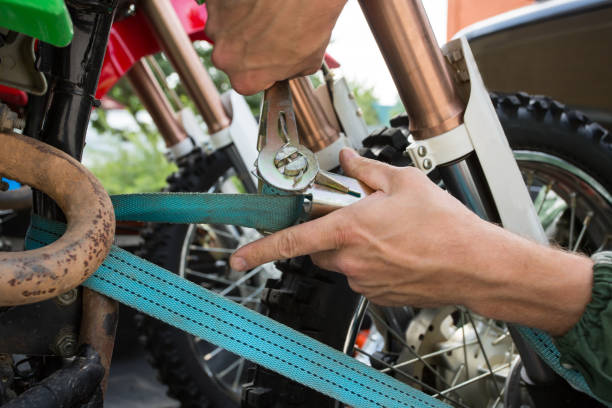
x=303, y=239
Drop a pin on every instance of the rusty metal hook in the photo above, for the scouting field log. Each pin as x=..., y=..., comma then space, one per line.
x=40, y=274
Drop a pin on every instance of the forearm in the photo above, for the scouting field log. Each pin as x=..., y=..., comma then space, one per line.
x=533, y=285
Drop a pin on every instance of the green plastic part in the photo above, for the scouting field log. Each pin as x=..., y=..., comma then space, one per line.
x=47, y=20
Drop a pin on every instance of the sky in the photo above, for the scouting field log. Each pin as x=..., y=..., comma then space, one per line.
x=354, y=47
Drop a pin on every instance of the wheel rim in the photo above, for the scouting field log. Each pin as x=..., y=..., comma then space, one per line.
x=466, y=359
x=564, y=189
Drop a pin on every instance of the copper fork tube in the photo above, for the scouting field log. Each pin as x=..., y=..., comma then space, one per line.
x=315, y=131
x=154, y=100
x=178, y=48
x=421, y=74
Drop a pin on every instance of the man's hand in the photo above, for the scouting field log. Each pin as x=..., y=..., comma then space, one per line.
x=259, y=42
x=389, y=243
x=412, y=243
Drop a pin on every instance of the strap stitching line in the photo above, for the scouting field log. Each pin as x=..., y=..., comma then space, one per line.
x=265, y=328
x=256, y=324
x=255, y=335
x=241, y=342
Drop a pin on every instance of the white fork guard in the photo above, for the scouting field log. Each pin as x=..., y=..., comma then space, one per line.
x=491, y=146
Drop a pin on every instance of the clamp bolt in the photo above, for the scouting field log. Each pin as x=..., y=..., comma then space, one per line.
x=68, y=298
x=289, y=161
x=422, y=151
x=66, y=345
x=427, y=164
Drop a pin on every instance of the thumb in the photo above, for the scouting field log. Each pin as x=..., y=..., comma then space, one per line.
x=376, y=175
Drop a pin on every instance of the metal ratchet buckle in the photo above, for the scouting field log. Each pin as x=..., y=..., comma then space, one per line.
x=287, y=165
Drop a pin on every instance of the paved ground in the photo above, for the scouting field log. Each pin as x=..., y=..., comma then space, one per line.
x=132, y=382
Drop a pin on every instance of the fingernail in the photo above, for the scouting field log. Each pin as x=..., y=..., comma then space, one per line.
x=347, y=153
x=238, y=264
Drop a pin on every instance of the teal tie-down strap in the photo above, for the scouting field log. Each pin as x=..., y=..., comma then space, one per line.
x=265, y=212
x=543, y=344
x=196, y=310
x=189, y=307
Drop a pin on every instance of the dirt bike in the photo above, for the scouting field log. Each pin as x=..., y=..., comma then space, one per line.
x=303, y=299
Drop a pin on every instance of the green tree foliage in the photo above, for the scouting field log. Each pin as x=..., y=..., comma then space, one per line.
x=129, y=161
x=364, y=96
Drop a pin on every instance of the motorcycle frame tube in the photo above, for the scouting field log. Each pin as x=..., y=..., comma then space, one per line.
x=73, y=74
x=316, y=133
x=418, y=68
x=75, y=70
x=178, y=48
x=99, y=326
x=152, y=96
x=433, y=102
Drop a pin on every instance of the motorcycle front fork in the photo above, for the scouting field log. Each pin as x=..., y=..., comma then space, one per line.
x=454, y=128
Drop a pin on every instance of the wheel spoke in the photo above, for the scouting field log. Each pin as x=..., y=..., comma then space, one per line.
x=604, y=243
x=546, y=191
x=241, y=280
x=530, y=176
x=465, y=359
x=407, y=376
x=413, y=352
x=242, y=300
x=236, y=382
x=423, y=357
x=229, y=368
x=252, y=296
x=484, y=352
x=211, y=249
x=209, y=276
x=572, y=219
x=585, y=225
x=212, y=354
x=501, y=338
x=471, y=380
x=499, y=396
x=223, y=233
x=458, y=374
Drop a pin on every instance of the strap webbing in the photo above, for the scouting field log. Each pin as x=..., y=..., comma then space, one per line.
x=196, y=310
x=265, y=212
